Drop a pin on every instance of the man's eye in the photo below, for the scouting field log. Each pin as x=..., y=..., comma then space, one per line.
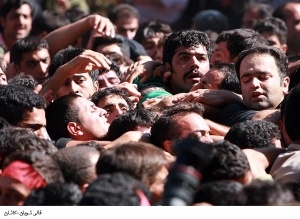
x=263, y=77
x=124, y=109
x=246, y=79
x=184, y=58
x=107, y=110
x=30, y=64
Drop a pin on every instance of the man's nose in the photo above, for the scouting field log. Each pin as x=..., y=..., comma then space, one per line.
x=42, y=133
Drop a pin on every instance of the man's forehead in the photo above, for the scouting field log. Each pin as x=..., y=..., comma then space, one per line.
x=198, y=49
x=81, y=74
x=108, y=74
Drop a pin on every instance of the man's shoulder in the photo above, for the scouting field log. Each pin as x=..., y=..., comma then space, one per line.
x=234, y=113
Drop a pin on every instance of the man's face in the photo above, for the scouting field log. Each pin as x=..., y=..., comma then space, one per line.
x=188, y=66
x=274, y=41
x=80, y=84
x=92, y=119
x=151, y=44
x=108, y=79
x=12, y=192
x=212, y=79
x=114, y=106
x=260, y=82
x=221, y=54
x=36, y=121
x=250, y=18
x=292, y=14
x=127, y=27
x=35, y=63
x=109, y=49
x=17, y=24
x=193, y=125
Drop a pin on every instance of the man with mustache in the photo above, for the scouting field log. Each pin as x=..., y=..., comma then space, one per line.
x=186, y=55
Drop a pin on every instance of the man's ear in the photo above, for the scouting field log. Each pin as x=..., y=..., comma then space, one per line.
x=285, y=85
x=284, y=48
x=74, y=129
x=168, y=145
x=96, y=85
x=167, y=66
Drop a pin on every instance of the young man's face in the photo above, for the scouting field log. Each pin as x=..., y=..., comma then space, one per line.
x=80, y=84
x=212, y=79
x=114, y=106
x=221, y=54
x=127, y=27
x=292, y=16
x=260, y=82
x=188, y=66
x=274, y=41
x=92, y=119
x=151, y=44
x=36, y=121
x=108, y=79
x=17, y=23
x=35, y=63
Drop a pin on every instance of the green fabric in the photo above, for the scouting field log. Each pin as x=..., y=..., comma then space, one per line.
x=153, y=94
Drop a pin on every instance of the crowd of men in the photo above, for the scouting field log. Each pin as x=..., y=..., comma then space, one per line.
x=117, y=109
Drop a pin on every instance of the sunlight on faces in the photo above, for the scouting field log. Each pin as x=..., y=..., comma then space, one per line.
x=260, y=82
x=188, y=66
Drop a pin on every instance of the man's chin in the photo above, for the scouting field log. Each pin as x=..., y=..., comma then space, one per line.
x=259, y=106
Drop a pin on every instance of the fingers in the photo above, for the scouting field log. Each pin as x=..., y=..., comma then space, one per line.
x=48, y=96
x=95, y=59
x=103, y=25
x=38, y=88
x=130, y=89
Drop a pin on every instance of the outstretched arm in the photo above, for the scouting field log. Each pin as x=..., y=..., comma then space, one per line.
x=66, y=35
